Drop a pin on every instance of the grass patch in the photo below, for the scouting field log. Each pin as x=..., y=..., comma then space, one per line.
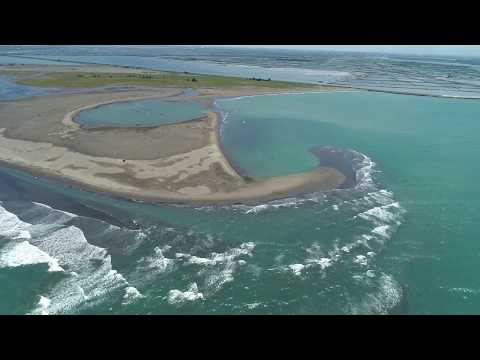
x=158, y=79
x=17, y=72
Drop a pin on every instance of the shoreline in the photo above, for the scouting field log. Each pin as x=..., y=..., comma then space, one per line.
x=251, y=200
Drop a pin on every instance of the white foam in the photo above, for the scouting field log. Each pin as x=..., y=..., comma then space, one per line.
x=178, y=297
x=158, y=261
x=11, y=226
x=23, y=254
x=131, y=294
x=44, y=302
x=23, y=234
x=275, y=204
x=381, y=214
x=464, y=291
x=90, y=276
x=296, y=269
x=390, y=292
x=219, y=258
x=382, y=230
x=384, y=197
x=42, y=306
x=140, y=235
x=257, y=209
x=88, y=282
x=218, y=278
x=252, y=306
x=322, y=262
x=364, y=171
x=388, y=295
x=361, y=259
x=219, y=268
x=201, y=261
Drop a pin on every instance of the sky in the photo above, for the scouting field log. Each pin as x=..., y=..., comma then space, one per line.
x=452, y=50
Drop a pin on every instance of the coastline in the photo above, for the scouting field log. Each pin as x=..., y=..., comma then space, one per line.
x=328, y=179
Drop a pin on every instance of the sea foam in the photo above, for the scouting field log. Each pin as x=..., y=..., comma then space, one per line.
x=42, y=306
x=177, y=297
x=23, y=254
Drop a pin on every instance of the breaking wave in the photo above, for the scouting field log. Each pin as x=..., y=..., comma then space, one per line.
x=177, y=268
x=86, y=273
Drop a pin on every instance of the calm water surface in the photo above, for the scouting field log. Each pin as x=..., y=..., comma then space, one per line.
x=141, y=113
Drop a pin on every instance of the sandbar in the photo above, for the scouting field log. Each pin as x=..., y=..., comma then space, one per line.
x=173, y=163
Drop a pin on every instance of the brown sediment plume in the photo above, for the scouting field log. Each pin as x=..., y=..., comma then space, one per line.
x=339, y=159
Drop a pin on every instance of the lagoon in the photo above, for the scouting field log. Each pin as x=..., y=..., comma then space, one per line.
x=141, y=113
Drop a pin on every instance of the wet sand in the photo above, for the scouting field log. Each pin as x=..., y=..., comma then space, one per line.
x=178, y=163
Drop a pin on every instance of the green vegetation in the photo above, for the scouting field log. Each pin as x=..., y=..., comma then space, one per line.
x=155, y=79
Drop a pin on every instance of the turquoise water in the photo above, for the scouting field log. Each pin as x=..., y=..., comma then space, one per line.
x=141, y=113
x=404, y=240
x=425, y=149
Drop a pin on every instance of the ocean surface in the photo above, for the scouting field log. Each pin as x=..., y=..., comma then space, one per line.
x=402, y=240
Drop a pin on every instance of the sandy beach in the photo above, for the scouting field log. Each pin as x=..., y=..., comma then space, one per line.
x=181, y=162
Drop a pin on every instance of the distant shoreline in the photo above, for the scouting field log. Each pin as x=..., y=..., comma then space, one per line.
x=404, y=92
x=313, y=83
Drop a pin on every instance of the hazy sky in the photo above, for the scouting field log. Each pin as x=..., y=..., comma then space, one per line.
x=459, y=50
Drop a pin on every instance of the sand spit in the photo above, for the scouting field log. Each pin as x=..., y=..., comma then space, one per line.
x=181, y=163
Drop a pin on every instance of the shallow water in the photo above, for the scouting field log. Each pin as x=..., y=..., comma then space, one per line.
x=402, y=241
x=10, y=90
x=141, y=113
